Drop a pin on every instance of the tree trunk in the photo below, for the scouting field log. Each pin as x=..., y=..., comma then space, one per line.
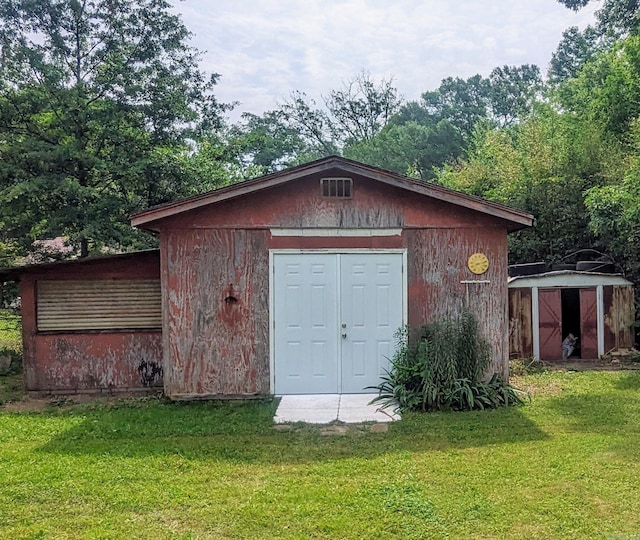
x=84, y=247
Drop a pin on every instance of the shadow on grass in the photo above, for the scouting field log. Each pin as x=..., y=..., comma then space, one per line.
x=611, y=408
x=630, y=382
x=605, y=406
x=244, y=432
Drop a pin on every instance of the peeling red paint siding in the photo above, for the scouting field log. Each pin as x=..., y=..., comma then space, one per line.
x=62, y=362
x=437, y=261
x=215, y=345
x=216, y=307
x=81, y=362
x=299, y=205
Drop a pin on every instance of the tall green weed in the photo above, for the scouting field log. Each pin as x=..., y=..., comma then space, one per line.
x=443, y=366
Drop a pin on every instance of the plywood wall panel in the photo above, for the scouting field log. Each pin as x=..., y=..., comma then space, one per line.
x=437, y=261
x=520, y=323
x=619, y=317
x=216, y=308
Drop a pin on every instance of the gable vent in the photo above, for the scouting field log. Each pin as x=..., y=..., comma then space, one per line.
x=336, y=188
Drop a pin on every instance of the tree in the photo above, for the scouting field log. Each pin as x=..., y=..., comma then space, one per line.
x=411, y=148
x=362, y=107
x=607, y=89
x=267, y=143
x=301, y=114
x=513, y=92
x=615, y=18
x=542, y=165
x=463, y=103
x=426, y=135
x=97, y=100
x=575, y=49
x=352, y=114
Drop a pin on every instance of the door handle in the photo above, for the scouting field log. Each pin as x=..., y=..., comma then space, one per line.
x=344, y=335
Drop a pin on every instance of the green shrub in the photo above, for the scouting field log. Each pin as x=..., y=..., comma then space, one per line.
x=10, y=343
x=442, y=367
x=10, y=361
x=10, y=331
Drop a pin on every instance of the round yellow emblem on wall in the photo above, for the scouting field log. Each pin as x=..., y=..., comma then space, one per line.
x=478, y=263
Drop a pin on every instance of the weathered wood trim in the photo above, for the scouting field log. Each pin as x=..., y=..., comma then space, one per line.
x=335, y=232
x=535, y=322
x=600, y=317
x=567, y=278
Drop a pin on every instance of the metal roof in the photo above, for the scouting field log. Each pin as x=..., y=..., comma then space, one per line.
x=14, y=272
x=567, y=278
x=516, y=219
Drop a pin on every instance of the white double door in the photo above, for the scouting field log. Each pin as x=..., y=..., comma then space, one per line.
x=334, y=320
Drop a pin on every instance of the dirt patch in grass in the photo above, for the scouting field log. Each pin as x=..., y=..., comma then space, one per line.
x=26, y=406
x=537, y=386
x=24, y=403
x=592, y=365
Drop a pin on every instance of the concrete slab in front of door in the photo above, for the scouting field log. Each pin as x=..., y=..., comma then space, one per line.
x=327, y=408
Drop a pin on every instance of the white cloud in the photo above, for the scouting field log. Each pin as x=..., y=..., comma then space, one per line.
x=264, y=49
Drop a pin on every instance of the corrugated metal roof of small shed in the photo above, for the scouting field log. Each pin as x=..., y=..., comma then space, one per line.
x=516, y=218
x=15, y=272
x=567, y=278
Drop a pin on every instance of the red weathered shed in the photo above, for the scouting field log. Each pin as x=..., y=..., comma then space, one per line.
x=295, y=282
x=595, y=310
x=91, y=325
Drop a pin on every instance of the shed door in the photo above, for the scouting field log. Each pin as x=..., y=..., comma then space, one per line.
x=550, y=320
x=334, y=318
x=588, y=324
x=371, y=312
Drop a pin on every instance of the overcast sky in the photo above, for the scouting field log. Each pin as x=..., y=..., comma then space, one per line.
x=264, y=49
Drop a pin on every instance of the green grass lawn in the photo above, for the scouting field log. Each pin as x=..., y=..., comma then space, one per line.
x=567, y=465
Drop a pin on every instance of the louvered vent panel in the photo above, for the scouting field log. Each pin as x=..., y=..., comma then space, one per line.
x=336, y=188
x=99, y=304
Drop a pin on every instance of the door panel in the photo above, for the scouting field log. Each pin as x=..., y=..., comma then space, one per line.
x=550, y=321
x=305, y=314
x=371, y=293
x=588, y=324
x=334, y=320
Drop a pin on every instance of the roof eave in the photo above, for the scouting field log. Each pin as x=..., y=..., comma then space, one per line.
x=518, y=219
x=14, y=273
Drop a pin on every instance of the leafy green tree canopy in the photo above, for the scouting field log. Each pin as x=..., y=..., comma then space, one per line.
x=97, y=98
x=615, y=18
x=351, y=114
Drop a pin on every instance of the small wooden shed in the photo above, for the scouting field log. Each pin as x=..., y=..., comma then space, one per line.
x=544, y=309
x=295, y=282
x=91, y=325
